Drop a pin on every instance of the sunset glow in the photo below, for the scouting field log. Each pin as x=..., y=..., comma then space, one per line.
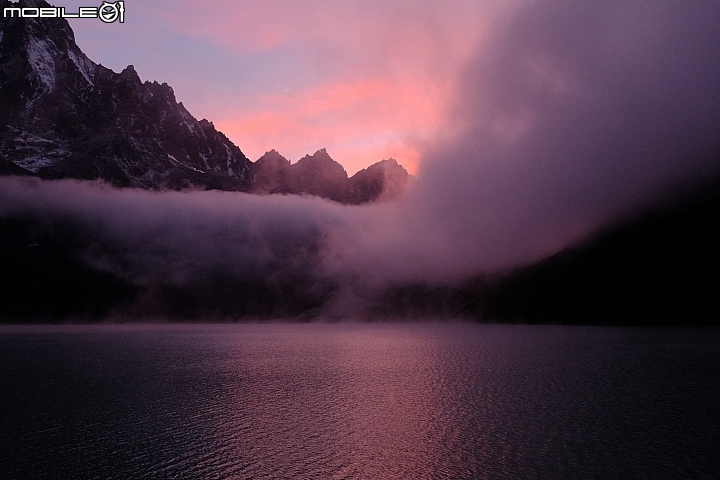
x=366, y=81
x=357, y=122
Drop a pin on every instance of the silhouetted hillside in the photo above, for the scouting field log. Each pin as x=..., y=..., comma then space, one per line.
x=43, y=279
x=661, y=269
x=46, y=277
x=320, y=175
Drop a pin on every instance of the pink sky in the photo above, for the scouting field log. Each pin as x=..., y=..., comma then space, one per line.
x=366, y=80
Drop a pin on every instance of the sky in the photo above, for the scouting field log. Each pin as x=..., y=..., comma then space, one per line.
x=366, y=80
x=528, y=125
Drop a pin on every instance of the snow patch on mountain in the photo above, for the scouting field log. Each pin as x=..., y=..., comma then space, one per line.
x=34, y=163
x=26, y=137
x=187, y=119
x=230, y=159
x=37, y=152
x=85, y=65
x=205, y=160
x=40, y=56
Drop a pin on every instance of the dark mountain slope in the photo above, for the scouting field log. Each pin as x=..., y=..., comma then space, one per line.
x=46, y=276
x=42, y=278
x=61, y=116
x=661, y=269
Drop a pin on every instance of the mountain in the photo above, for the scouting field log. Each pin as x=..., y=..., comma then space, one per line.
x=320, y=175
x=385, y=180
x=64, y=116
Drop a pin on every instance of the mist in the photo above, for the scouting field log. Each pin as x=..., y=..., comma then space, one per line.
x=572, y=116
x=335, y=256
x=568, y=117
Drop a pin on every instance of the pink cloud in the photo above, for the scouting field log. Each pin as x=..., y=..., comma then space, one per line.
x=360, y=123
x=380, y=74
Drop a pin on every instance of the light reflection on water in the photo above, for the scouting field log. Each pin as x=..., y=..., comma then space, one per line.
x=358, y=401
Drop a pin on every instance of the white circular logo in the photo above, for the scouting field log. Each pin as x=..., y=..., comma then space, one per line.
x=109, y=12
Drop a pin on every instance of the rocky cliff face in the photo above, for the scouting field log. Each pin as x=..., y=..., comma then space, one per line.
x=384, y=181
x=62, y=115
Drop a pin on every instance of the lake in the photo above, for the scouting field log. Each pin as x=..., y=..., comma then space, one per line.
x=346, y=401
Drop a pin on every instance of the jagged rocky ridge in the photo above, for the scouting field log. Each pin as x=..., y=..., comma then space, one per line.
x=322, y=176
x=63, y=116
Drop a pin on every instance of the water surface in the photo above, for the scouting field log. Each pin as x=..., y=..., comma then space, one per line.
x=358, y=401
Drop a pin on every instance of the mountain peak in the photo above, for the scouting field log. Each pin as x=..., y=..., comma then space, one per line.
x=33, y=48
x=65, y=116
x=273, y=158
x=321, y=159
x=130, y=75
x=384, y=180
x=320, y=175
x=322, y=152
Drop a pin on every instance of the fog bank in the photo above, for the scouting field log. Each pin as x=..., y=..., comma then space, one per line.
x=569, y=116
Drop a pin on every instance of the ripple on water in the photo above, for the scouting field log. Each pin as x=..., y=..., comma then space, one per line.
x=358, y=401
